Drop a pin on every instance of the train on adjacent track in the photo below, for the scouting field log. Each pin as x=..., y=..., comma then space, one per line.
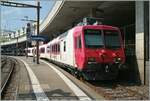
x=91, y=52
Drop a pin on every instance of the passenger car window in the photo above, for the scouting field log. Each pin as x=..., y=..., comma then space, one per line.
x=64, y=46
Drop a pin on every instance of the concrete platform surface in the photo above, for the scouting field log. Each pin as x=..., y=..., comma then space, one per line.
x=44, y=81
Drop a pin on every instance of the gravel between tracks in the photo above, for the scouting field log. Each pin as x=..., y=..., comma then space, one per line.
x=117, y=91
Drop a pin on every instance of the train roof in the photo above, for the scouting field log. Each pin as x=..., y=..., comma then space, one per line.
x=53, y=41
x=97, y=26
x=63, y=35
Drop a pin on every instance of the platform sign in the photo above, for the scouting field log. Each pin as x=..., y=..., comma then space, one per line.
x=38, y=38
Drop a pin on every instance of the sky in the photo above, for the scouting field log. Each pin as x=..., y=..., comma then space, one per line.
x=11, y=16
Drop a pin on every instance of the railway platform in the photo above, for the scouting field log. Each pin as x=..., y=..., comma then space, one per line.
x=22, y=79
x=46, y=81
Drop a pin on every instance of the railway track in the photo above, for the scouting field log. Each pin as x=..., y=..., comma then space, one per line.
x=7, y=69
x=119, y=91
x=3, y=61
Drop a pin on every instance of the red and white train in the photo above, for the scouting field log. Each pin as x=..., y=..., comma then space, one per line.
x=93, y=52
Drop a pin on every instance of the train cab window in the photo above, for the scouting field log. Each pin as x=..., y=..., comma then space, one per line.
x=64, y=46
x=78, y=42
x=93, y=38
x=112, y=39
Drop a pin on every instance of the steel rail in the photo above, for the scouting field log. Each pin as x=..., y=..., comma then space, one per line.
x=8, y=77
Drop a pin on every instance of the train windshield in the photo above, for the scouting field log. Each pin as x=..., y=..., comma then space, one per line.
x=112, y=39
x=93, y=38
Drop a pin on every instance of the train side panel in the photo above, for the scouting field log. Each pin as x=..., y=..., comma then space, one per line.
x=53, y=54
x=62, y=52
x=70, y=48
x=43, y=51
x=66, y=55
x=47, y=56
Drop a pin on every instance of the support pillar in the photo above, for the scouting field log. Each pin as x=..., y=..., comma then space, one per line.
x=140, y=40
x=146, y=31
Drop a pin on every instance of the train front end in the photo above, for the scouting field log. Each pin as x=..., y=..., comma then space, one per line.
x=103, y=52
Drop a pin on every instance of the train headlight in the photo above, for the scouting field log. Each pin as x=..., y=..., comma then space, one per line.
x=117, y=60
x=91, y=60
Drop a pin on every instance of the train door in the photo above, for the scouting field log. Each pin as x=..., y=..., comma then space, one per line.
x=79, y=58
